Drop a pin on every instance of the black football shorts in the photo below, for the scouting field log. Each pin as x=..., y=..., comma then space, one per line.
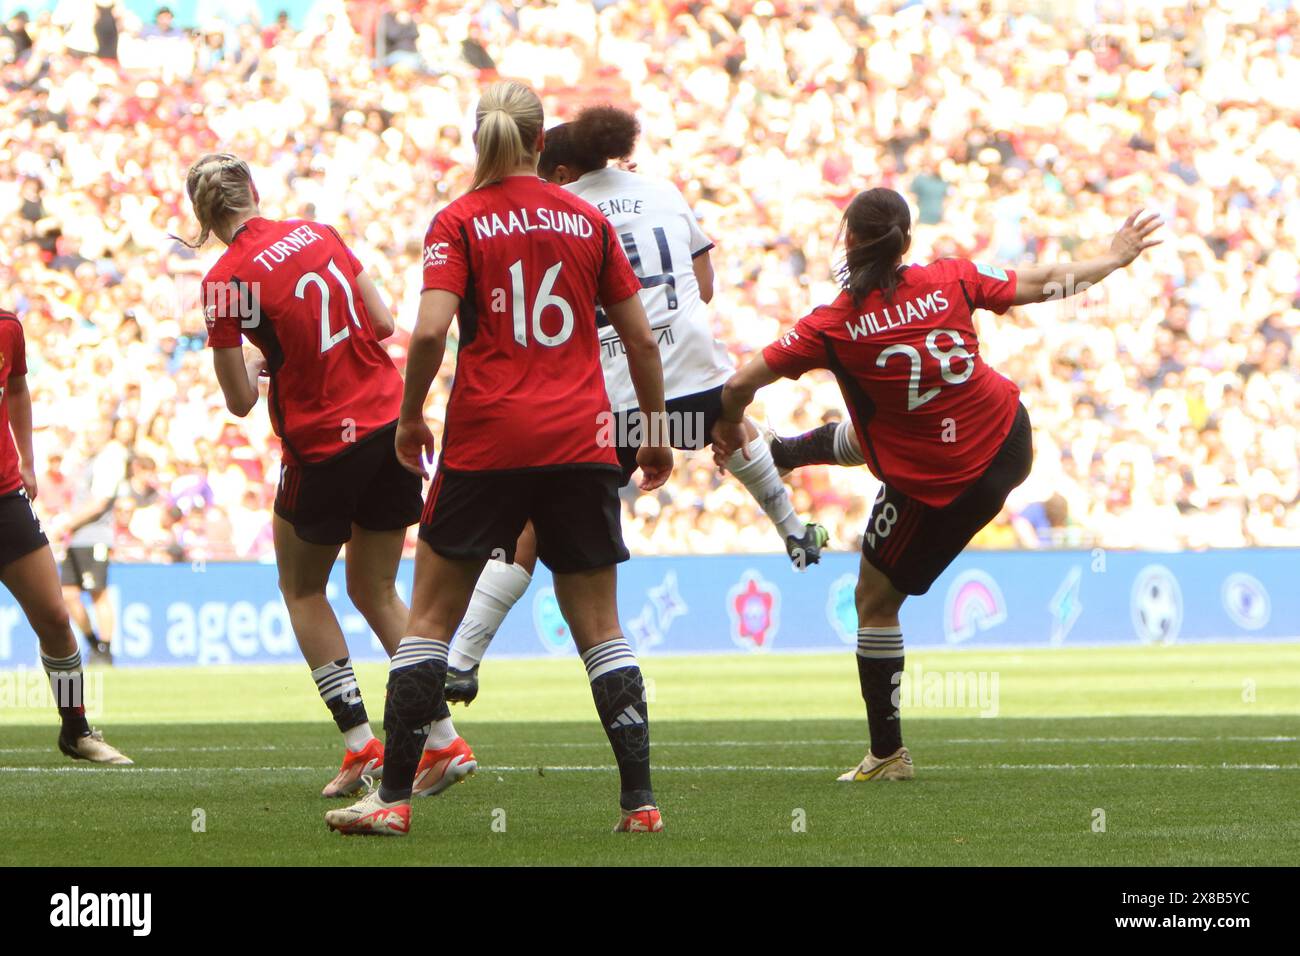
x=86, y=567
x=20, y=529
x=365, y=485
x=911, y=543
x=690, y=426
x=575, y=511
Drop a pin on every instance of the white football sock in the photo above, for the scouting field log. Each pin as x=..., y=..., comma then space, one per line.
x=846, y=451
x=356, y=738
x=499, y=588
x=442, y=734
x=760, y=478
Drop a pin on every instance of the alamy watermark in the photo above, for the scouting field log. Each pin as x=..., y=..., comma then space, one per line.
x=636, y=428
x=29, y=688
x=951, y=690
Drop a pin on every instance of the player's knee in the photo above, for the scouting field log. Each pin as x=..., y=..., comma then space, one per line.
x=51, y=623
x=369, y=596
x=294, y=591
x=875, y=602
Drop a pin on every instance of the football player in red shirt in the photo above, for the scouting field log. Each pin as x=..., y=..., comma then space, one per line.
x=944, y=432
x=300, y=296
x=26, y=561
x=522, y=264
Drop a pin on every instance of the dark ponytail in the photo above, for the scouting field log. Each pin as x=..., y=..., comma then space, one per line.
x=880, y=225
x=597, y=135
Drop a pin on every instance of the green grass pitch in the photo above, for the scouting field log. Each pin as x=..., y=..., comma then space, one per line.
x=1187, y=755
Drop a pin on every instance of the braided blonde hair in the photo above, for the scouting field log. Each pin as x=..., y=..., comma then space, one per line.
x=220, y=185
x=508, y=118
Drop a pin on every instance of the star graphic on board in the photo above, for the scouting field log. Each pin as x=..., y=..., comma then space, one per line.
x=667, y=602
x=643, y=630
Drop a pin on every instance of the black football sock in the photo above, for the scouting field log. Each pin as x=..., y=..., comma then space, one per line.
x=415, y=700
x=619, y=692
x=68, y=685
x=338, y=688
x=880, y=670
x=816, y=447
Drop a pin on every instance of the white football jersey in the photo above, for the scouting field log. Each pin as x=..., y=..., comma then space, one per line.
x=661, y=238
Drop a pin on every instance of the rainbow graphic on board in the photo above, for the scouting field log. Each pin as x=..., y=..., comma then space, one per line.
x=974, y=603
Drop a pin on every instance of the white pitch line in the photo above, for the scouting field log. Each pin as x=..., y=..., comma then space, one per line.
x=1117, y=740
x=660, y=744
x=703, y=768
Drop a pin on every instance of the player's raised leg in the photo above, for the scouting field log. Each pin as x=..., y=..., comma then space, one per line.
x=588, y=602
x=754, y=468
x=835, y=443
x=416, y=711
x=304, y=570
x=500, y=587
x=34, y=582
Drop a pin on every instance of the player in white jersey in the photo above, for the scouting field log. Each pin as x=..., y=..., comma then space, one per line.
x=670, y=255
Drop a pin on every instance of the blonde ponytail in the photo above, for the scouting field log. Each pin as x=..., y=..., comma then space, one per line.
x=508, y=120
x=220, y=186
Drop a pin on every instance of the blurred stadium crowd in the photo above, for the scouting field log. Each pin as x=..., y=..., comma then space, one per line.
x=1164, y=402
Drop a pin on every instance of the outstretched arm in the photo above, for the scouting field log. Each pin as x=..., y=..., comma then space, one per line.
x=737, y=395
x=1059, y=280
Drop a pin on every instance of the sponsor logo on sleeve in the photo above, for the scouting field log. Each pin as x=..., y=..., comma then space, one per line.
x=435, y=254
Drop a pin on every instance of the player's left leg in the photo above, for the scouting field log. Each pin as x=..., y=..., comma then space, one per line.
x=371, y=560
x=33, y=580
x=880, y=669
x=417, y=708
x=101, y=608
x=500, y=587
x=70, y=575
x=577, y=515
x=588, y=602
x=304, y=569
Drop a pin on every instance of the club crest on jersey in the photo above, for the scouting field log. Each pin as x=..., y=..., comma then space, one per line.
x=974, y=603
x=552, y=630
x=435, y=254
x=842, y=608
x=754, y=605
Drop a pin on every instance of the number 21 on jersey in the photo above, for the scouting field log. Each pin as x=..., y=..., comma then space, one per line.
x=328, y=338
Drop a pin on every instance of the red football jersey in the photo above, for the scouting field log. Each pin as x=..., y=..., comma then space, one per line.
x=291, y=289
x=13, y=361
x=929, y=413
x=529, y=261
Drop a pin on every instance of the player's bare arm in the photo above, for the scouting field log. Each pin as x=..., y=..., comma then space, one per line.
x=1058, y=280
x=737, y=395
x=19, y=399
x=702, y=265
x=414, y=440
x=237, y=377
x=380, y=316
x=646, y=368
